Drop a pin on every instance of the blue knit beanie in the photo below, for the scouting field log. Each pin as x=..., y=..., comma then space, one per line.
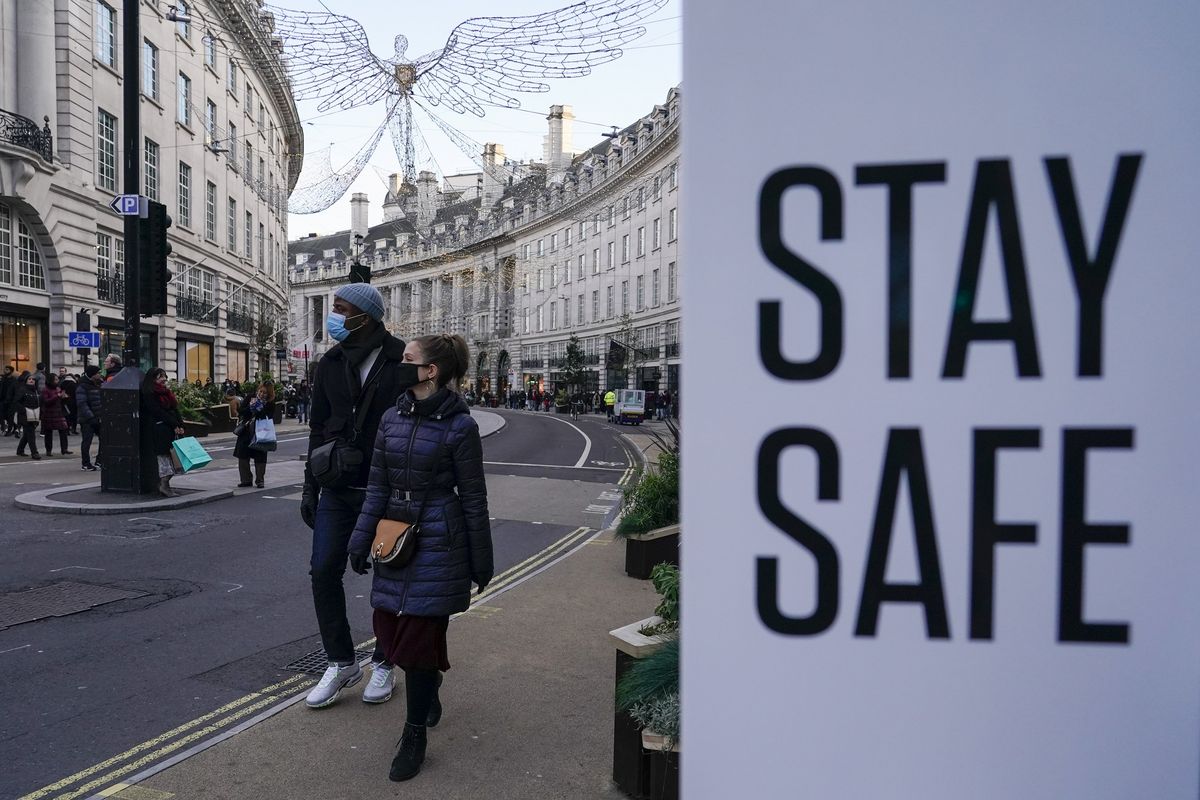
x=364, y=297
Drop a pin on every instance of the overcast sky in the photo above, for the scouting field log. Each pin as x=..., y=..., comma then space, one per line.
x=616, y=93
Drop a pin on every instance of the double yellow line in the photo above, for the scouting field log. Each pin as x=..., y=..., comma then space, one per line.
x=152, y=750
x=223, y=716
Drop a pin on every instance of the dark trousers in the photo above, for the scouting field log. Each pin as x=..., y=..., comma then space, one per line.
x=28, y=437
x=62, y=440
x=336, y=514
x=90, y=428
x=302, y=411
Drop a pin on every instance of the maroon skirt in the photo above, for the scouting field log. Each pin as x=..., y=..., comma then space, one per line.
x=413, y=642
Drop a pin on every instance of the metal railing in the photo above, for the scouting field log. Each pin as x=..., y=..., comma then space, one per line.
x=24, y=132
x=239, y=322
x=111, y=288
x=672, y=349
x=193, y=308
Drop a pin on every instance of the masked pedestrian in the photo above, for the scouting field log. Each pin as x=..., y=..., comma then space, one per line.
x=87, y=405
x=427, y=469
x=259, y=406
x=29, y=413
x=159, y=405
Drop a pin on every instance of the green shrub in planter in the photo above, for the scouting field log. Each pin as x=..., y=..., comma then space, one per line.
x=654, y=500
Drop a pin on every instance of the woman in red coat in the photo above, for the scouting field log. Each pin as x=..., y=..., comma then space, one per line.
x=54, y=418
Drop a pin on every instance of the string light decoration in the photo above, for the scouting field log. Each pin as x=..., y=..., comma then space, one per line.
x=485, y=61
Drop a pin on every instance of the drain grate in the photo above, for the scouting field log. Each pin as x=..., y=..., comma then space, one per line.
x=315, y=662
x=56, y=600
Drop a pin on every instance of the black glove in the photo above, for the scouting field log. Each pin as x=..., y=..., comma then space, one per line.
x=360, y=563
x=308, y=503
x=481, y=581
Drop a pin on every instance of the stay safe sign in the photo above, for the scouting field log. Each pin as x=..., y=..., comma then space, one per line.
x=939, y=476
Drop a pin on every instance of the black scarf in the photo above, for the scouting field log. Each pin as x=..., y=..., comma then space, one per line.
x=432, y=404
x=357, y=349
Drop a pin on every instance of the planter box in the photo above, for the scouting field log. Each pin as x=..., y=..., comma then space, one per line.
x=664, y=766
x=645, y=551
x=197, y=429
x=279, y=413
x=221, y=421
x=632, y=764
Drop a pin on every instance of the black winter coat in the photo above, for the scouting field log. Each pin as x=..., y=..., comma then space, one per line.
x=87, y=401
x=163, y=422
x=335, y=392
x=8, y=387
x=454, y=547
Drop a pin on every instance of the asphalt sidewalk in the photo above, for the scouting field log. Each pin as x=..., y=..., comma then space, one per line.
x=528, y=708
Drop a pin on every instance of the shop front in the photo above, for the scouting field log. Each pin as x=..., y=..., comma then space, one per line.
x=23, y=338
x=237, y=364
x=195, y=360
x=112, y=340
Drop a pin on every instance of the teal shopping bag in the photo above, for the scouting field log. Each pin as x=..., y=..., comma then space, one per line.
x=191, y=453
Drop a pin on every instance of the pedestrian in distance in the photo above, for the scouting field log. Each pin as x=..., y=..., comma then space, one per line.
x=427, y=469
x=29, y=413
x=303, y=398
x=112, y=365
x=68, y=383
x=39, y=375
x=87, y=404
x=356, y=381
x=610, y=403
x=258, y=406
x=8, y=398
x=159, y=405
x=54, y=416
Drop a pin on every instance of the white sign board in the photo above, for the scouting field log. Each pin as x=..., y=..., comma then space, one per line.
x=940, y=481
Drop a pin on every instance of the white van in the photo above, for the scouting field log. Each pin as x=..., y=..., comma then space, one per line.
x=631, y=406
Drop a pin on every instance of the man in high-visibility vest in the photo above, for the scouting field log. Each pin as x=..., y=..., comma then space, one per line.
x=610, y=403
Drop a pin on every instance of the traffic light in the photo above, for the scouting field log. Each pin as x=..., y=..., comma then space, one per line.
x=153, y=249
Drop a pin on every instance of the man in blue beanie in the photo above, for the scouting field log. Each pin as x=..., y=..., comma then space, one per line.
x=355, y=382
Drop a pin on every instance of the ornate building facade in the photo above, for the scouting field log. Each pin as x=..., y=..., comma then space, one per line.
x=581, y=245
x=221, y=147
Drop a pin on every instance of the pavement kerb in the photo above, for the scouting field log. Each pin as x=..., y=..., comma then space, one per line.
x=40, y=501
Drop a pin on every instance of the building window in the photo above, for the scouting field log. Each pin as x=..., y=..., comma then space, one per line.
x=210, y=51
x=612, y=250
x=656, y=234
x=210, y=211
x=541, y=247
x=30, y=274
x=625, y=207
x=231, y=223
x=553, y=242
x=149, y=70
x=525, y=320
x=567, y=237
x=541, y=281
x=231, y=79
x=582, y=233
x=654, y=288
x=262, y=115
x=641, y=242
x=553, y=276
x=233, y=146
x=195, y=361
x=608, y=302
x=184, y=29
x=579, y=310
x=553, y=315
x=595, y=305
x=184, y=96
x=672, y=232
x=262, y=235
x=249, y=241
x=657, y=191
x=673, y=177
x=671, y=282
x=249, y=99
x=596, y=224
x=641, y=199
x=580, y=269
x=262, y=173
x=210, y=121
x=106, y=34
x=152, y=169
x=106, y=150
x=641, y=292
x=612, y=216
x=624, y=297
x=6, y=259
x=596, y=261
x=110, y=271
x=625, y=249
x=185, y=195
x=541, y=313
x=249, y=175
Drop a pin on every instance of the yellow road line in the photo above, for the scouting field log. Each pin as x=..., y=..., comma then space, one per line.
x=549, y=554
x=151, y=757
x=78, y=776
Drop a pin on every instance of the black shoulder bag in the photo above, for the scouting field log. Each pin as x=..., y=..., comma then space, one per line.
x=336, y=464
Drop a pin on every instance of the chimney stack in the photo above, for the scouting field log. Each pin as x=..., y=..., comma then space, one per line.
x=427, y=192
x=559, y=142
x=358, y=215
x=493, y=185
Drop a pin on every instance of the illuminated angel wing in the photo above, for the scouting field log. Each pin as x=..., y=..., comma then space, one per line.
x=486, y=59
x=329, y=59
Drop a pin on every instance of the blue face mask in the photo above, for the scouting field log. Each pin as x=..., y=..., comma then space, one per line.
x=335, y=323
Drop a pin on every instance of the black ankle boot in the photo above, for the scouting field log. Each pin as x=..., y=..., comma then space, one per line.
x=435, y=708
x=411, y=755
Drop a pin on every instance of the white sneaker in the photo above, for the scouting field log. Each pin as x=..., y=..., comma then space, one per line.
x=383, y=681
x=336, y=678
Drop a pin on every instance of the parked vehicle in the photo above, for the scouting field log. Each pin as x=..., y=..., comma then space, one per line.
x=630, y=407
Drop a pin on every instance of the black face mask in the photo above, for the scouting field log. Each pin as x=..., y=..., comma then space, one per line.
x=407, y=375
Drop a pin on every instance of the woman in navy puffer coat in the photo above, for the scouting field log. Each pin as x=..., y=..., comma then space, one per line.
x=428, y=462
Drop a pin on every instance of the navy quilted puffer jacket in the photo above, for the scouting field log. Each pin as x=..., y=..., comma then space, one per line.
x=455, y=544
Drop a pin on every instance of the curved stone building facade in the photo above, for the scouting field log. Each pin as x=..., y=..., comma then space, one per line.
x=221, y=147
x=522, y=257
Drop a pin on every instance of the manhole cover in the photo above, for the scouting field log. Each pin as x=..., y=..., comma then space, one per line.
x=316, y=662
x=56, y=600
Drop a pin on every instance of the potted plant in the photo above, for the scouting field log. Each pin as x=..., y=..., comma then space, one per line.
x=646, y=721
x=191, y=408
x=650, y=521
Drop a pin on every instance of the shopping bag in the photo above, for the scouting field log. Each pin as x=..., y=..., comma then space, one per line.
x=190, y=452
x=264, y=435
